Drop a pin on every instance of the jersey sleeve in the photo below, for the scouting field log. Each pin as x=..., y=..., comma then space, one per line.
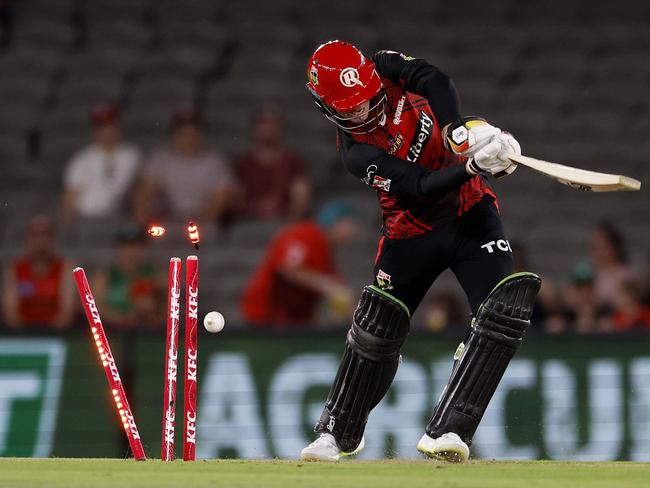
x=385, y=172
x=419, y=77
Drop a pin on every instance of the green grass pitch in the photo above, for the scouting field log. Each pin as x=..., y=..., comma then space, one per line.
x=100, y=473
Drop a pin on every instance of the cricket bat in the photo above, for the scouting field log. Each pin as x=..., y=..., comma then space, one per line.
x=580, y=179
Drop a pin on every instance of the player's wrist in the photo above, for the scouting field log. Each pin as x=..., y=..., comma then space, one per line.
x=468, y=135
x=471, y=167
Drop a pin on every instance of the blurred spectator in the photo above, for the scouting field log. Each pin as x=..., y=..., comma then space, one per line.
x=441, y=310
x=37, y=286
x=547, y=308
x=298, y=270
x=646, y=280
x=271, y=177
x=583, y=313
x=192, y=181
x=99, y=176
x=609, y=258
x=129, y=293
x=631, y=313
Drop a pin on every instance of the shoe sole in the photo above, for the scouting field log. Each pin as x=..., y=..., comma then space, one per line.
x=355, y=452
x=447, y=455
x=450, y=456
x=314, y=458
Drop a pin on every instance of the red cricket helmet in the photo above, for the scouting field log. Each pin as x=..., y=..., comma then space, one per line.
x=342, y=78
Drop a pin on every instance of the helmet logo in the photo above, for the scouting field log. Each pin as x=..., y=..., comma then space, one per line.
x=313, y=75
x=350, y=77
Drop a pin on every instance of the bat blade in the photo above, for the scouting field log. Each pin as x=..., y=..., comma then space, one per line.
x=581, y=179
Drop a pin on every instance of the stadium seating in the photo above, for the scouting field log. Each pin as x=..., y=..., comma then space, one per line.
x=570, y=90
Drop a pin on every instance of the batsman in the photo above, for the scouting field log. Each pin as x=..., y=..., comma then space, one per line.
x=400, y=131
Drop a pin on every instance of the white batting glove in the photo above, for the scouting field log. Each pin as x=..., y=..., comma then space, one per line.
x=485, y=161
x=492, y=157
x=509, y=146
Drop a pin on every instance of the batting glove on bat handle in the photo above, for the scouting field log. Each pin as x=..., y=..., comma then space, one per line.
x=485, y=161
x=510, y=146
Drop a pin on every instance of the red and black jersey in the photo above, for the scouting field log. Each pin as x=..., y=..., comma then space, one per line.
x=420, y=184
x=39, y=294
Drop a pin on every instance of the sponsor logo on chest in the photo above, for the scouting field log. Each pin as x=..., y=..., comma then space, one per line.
x=422, y=135
x=398, y=110
x=395, y=143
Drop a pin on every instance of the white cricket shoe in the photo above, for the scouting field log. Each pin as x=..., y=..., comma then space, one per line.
x=448, y=447
x=325, y=448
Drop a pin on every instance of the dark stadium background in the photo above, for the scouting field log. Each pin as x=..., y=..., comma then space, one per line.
x=570, y=79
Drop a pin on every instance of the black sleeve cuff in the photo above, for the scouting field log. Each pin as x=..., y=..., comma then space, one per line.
x=440, y=182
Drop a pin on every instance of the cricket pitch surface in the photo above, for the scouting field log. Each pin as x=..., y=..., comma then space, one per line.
x=100, y=473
